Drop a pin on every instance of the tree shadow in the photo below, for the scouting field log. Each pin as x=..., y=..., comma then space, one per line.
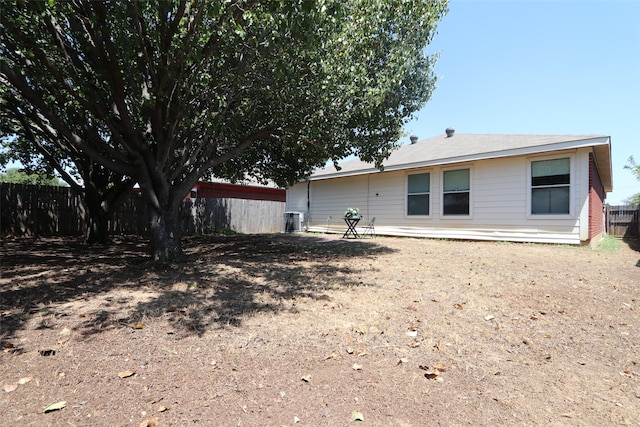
x=225, y=279
x=634, y=244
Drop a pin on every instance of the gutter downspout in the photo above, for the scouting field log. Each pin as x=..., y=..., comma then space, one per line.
x=306, y=219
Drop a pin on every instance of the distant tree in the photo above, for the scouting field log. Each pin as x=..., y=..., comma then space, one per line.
x=633, y=167
x=632, y=200
x=17, y=176
x=166, y=91
x=635, y=170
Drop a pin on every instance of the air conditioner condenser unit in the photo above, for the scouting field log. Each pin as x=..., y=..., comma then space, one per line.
x=293, y=222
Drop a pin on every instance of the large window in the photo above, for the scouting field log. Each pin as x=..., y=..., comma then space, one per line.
x=418, y=187
x=550, y=186
x=456, y=192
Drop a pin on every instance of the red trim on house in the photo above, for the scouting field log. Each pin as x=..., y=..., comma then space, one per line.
x=596, y=200
x=216, y=190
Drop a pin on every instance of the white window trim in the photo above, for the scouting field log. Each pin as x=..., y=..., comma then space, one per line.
x=406, y=194
x=572, y=187
x=459, y=167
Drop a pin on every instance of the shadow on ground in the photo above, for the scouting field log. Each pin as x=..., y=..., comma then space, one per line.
x=225, y=279
x=633, y=243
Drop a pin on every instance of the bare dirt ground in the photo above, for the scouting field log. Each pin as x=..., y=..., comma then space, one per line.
x=313, y=330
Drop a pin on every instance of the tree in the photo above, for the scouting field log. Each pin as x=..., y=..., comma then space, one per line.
x=17, y=176
x=635, y=170
x=166, y=91
x=100, y=189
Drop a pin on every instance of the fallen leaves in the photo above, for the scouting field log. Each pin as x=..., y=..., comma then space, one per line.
x=13, y=386
x=439, y=366
x=126, y=374
x=55, y=406
x=10, y=387
x=150, y=422
x=8, y=347
x=433, y=376
x=433, y=372
x=402, y=360
x=177, y=310
x=357, y=416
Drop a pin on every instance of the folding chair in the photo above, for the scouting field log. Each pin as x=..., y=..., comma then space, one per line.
x=369, y=229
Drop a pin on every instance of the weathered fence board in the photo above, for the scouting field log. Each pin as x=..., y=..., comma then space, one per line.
x=202, y=216
x=34, y=210
x=622, y=221
x=42, y=210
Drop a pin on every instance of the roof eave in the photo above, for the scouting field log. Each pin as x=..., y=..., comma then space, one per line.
x=603, y=141
x=602, y=157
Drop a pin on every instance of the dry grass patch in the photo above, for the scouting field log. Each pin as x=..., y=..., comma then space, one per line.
x=312, y=329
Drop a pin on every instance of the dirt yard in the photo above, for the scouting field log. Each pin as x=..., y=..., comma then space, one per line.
x=313, y=330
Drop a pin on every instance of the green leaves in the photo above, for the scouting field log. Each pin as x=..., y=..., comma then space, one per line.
x=166, y=92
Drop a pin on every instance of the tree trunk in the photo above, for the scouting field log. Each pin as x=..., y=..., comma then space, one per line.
x=103, y=192
x=165, y=235
x=98, y=229
x=98, y=215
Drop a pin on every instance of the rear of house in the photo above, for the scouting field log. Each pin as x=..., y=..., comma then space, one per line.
x=521, y=188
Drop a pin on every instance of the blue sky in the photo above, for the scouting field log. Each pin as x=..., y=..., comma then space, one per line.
x=540, y=67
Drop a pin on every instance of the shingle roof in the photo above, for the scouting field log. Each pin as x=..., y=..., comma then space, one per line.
x=441, y=149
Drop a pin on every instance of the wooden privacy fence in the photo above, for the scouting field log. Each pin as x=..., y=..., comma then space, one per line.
x=43, y=210
x=204, y=216
x=40, y=210
x=622, y=221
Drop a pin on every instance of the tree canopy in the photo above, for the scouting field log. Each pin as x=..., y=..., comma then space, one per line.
x=165, y=91
x=635, y=170
x=41, y=153
x=17, y=176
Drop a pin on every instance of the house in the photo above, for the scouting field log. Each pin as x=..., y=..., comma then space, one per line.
x=524, y=188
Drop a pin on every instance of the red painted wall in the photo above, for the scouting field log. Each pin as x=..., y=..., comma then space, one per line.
x=210, y=190
x=596, y=200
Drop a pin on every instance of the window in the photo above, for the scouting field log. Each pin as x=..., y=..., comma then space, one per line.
x=418, y=186
x=455, y=197
x=550, y=187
